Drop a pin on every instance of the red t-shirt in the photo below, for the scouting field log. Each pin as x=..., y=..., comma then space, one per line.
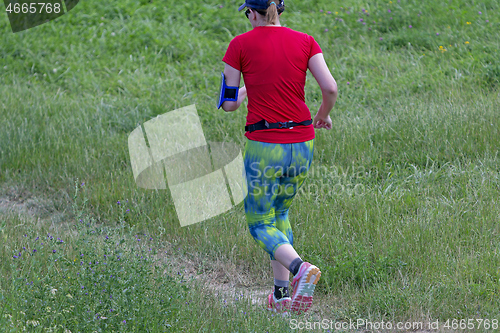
x=273, y=61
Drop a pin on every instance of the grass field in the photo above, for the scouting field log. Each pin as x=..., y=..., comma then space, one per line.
x=400, y=210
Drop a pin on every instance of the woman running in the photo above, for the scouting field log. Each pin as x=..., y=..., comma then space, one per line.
x=279, y=150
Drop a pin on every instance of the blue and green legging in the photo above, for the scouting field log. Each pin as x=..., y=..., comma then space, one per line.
x=274, y=173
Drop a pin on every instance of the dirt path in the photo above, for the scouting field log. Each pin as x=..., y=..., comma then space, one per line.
x=223, y=279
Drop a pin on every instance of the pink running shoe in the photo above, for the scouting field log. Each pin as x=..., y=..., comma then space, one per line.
x=303, y=285
x=281, y=305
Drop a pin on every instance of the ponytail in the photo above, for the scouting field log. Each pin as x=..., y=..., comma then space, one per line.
x=271, y=12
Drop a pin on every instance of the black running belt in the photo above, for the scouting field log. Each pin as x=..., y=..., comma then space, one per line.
x=263, y=124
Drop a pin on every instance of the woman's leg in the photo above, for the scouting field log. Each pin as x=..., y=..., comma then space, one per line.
x=264, y=165
x=292, y=179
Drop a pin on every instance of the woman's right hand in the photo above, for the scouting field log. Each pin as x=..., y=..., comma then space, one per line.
x=322, y=122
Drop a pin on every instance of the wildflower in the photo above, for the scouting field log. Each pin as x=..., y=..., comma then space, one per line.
x=326, y=30
x=118, y=202
x=15, y=257
x=128, y=210
x=321, y=10
x=83, y=184
x=36, y=239
x=336, y=13
x=348, y=83
x=487, y=21
x=410, y=26
x=106, y=238
x=380, y=38
x=467, y=42
x=329, y=12
x=468, y=23
x=34, y=250
x=53, y=251
x=388, y=10
x=124, y=321
x=24, y=248
x=53, y=291
x=437, y=33
x=480, y=13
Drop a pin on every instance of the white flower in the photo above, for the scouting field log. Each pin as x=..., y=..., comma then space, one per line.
x=53, y=291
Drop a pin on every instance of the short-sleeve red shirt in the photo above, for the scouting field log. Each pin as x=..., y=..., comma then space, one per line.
x=273, y=61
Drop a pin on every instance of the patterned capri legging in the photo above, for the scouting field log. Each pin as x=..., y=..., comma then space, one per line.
x=274, y=173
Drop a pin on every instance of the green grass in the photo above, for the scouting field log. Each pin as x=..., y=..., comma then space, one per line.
x=400, y=210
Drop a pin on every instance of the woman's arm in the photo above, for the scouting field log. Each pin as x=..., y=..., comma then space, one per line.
x=233, y=80
x=328, y=85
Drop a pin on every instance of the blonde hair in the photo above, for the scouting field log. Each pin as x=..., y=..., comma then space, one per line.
x=271, y=12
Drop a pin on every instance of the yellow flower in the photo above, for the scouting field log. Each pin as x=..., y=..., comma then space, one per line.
x=467, y=42
x=468, y=22
x=390, y=1
x=336, y=13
